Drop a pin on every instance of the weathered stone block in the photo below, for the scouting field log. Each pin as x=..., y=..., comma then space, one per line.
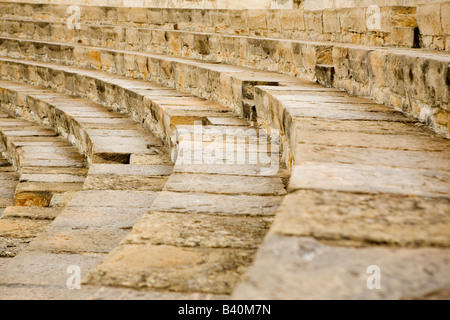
x=403, y=37
x=360, y=220
x=429, y=19
x=303, y=268
x=331, y=23
x=313, y=21
x=174, y=268
x=353, y=19
x=445, y=17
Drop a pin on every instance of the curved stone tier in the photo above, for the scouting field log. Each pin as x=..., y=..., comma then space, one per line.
x=233, y=153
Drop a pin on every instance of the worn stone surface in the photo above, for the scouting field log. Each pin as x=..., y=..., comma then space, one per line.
x=31, y=213
x=216, y=204
x=72, y=239
x=199, y=231
x=302, y=58
x=370, y=179
x=301, y=268
x=47, y=269
x=21, y=228
x=222, y=184
x=364, y=220
x=113, y=182
x=37, y=187
x=113, y=198
x=33, y=292
x=81, y=121
x=173, y=268
x=373, y=157
x=364, y=175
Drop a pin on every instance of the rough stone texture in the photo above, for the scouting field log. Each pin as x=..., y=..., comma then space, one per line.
x=364, y=175
x=347, y=24
x=21, y=228
x=96, y=293
x=371, y=156
x=363, y=220
x=397, y=27
x=113, y=198
x=196, y=203
x=221, y=184
x=173, y=268
x=79, y=121
x=31, y=213
x=199, y=231
x=47, y=269
x=38, y=189
x=301, y=268
x=370, y=179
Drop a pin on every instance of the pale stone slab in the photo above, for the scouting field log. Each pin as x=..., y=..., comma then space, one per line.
x=33, y=213
x=303, y=269
x=373, y=156
x=225, y=184
x=171, y=268
x=115, y=198
x=83, y=218
x=114, y=182
x=226, y=121
x=363, y=140
x=203, y=231
x=46, y=269
x=254, y=170
x=51, y=178
x=202, y=203
x=22, y=228
x=364, y=126
x=8, y=178
x=130, y=170
x=362, y=220
x=73, y=240
x=370, y=179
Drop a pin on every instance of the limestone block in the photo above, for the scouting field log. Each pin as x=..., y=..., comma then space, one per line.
x=445, y=17
x=313, y=21
x=403, y=17
x=353, y=19
x=303, y=268
x=402, y=37
x=292, y=20
x=331, y=22
x=257, y=21
x=429, y=19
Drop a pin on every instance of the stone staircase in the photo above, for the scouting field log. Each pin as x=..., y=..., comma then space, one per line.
x=188, y=193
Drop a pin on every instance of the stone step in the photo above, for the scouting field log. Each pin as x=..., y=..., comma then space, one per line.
x=369, y=187
x=9, y=245
x=302, y=268
x=93, y=223
x=38, y=189
x=233, y=83
x=332, y=63
x=385, y=114
x=154, y=112
x=77, y=119
x=343, y=23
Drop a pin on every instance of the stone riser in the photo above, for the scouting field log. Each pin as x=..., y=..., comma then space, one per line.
x=143, y=109
x=72, y=124
x=395, y=78
x=198, y=194
x=350, y=25
x=40, y=181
